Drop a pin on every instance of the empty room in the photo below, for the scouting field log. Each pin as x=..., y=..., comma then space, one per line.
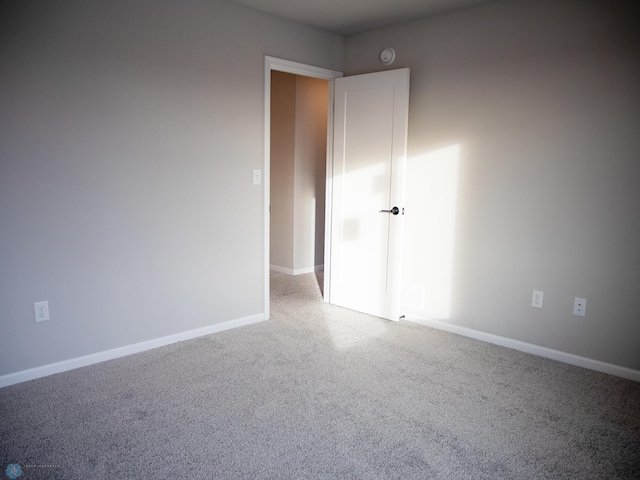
x=456, y=292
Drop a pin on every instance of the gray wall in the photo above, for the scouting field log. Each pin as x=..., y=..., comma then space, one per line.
x=542, y=100
x=128, y=136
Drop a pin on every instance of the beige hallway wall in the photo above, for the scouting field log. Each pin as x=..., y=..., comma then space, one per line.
x=298, y=159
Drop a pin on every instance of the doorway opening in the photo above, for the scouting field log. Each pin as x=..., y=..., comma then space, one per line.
x=299, y=113
x=306, y=247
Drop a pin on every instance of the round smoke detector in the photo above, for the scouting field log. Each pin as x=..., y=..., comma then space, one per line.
x=387, y=56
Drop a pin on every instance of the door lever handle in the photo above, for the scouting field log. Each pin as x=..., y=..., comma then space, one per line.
x=394, y=210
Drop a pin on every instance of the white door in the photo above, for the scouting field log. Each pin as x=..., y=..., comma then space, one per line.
x=369, y=156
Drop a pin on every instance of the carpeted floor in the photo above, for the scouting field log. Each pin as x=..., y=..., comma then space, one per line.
x=319, y=392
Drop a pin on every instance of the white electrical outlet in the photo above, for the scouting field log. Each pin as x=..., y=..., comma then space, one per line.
x=41, y=310
x=579, y=306
x=536, y=299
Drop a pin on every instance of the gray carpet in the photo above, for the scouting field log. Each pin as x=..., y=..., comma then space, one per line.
x=321, y=392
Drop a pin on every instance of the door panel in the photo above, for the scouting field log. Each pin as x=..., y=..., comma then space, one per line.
x=370, y=134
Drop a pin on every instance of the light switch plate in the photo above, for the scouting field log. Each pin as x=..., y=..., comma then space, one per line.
x=257, y=176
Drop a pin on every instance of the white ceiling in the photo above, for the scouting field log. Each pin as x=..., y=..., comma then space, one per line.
x=354, y=16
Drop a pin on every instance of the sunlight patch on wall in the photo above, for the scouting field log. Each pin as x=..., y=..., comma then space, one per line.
x=431, y=191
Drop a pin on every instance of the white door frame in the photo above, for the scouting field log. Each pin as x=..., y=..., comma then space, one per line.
x=270, y=64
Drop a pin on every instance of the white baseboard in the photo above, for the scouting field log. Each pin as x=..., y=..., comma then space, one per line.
x=564, y=357
x=59, y=367
x=297, y=271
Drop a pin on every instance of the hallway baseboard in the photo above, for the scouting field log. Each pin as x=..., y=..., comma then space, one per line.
x=297, y=271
